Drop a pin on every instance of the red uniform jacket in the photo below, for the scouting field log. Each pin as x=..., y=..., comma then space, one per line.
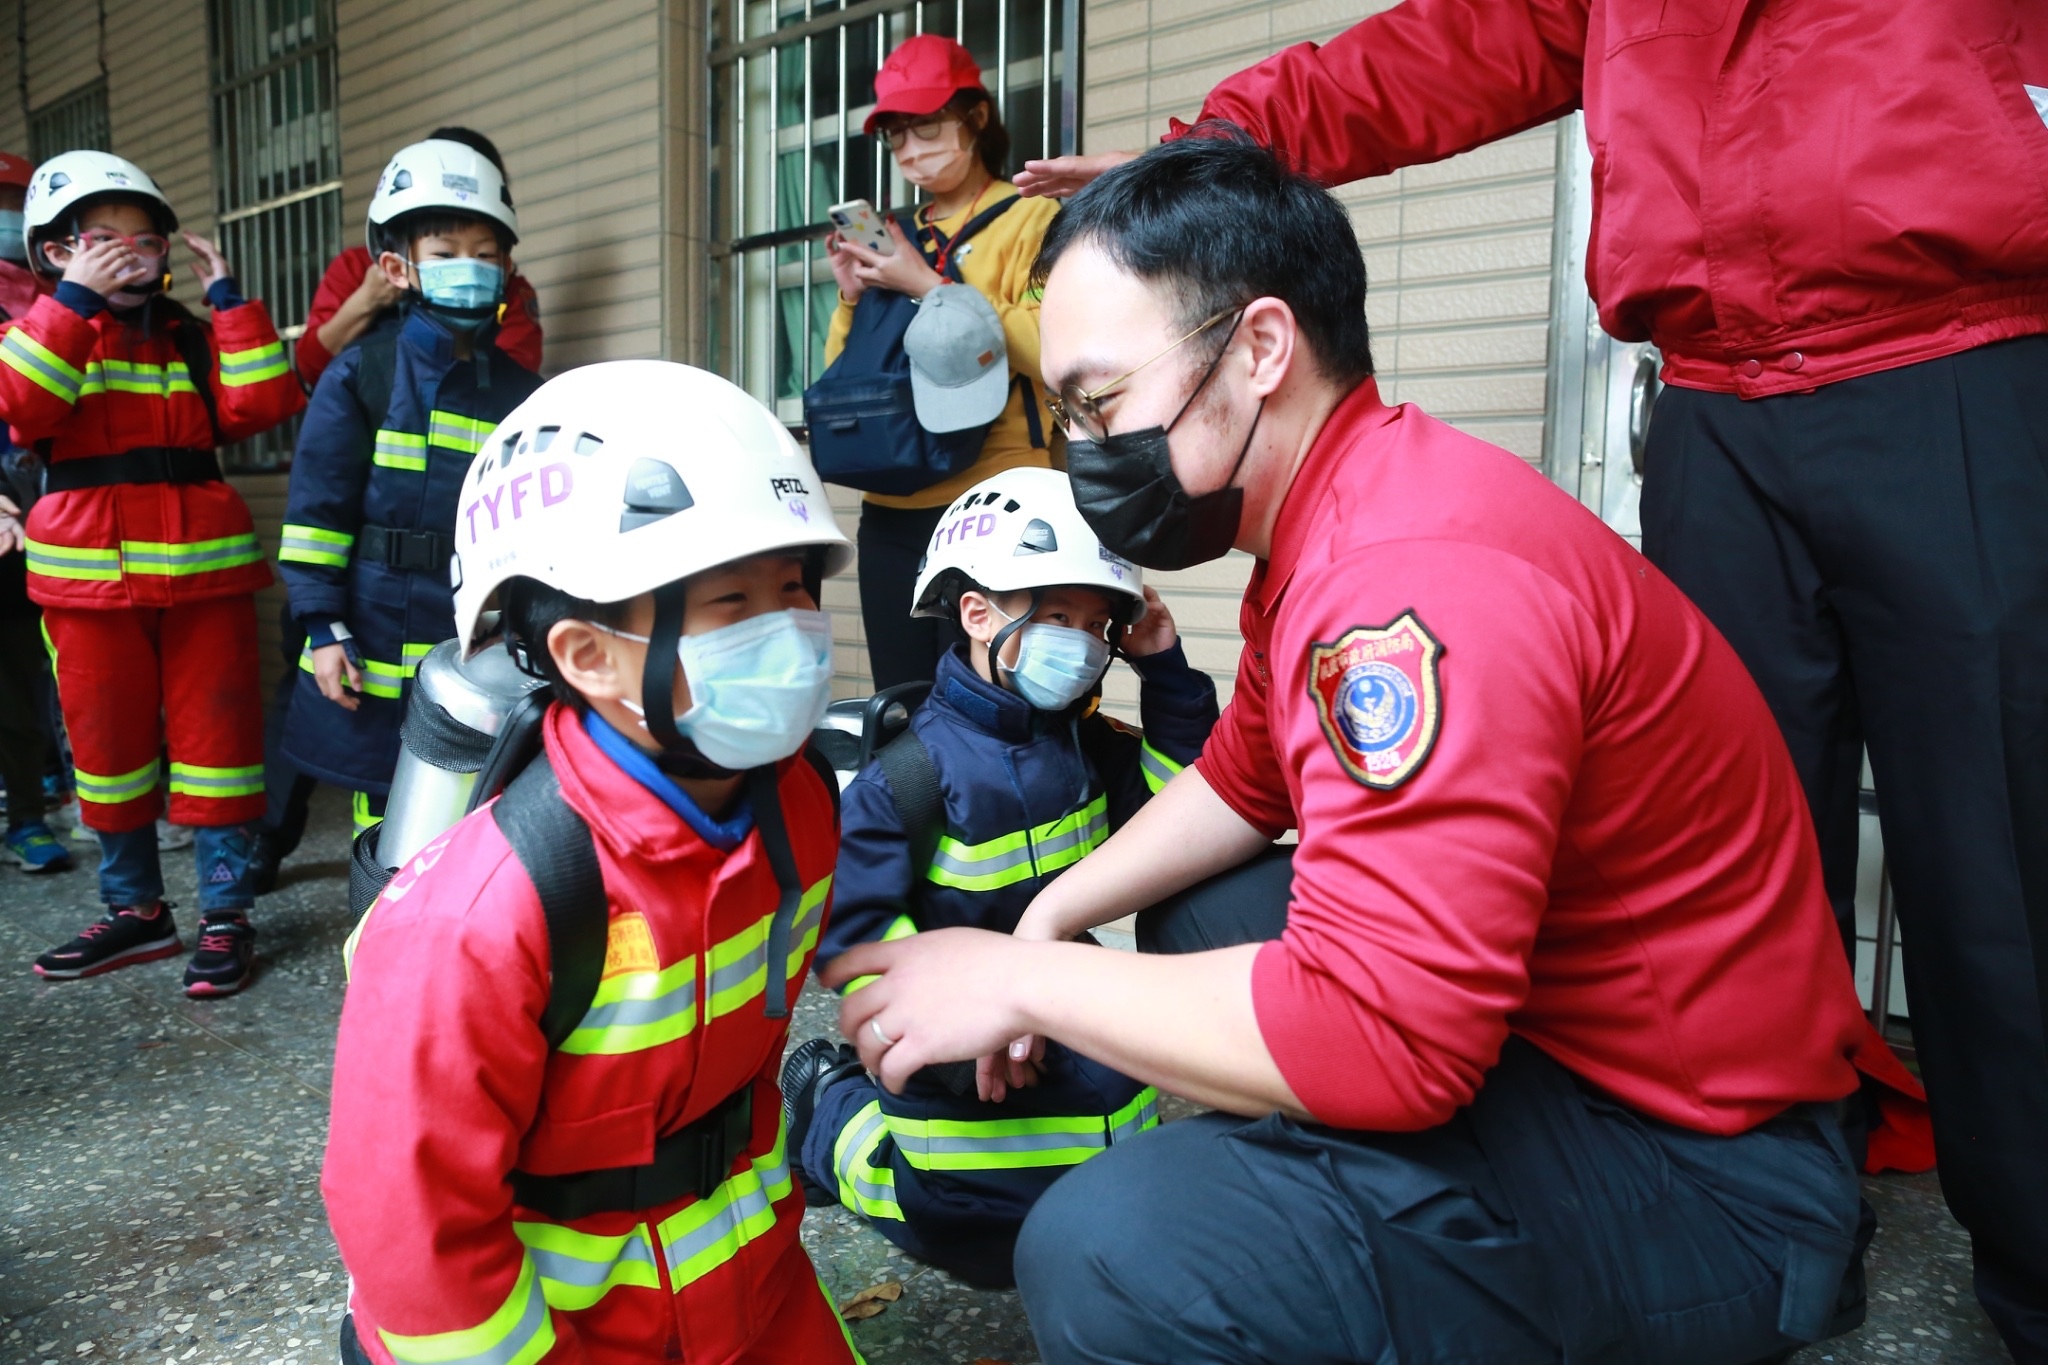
x=518, y=332
x=100, y=387
x=1537, y=793
x=443, y=1084
x=1784, y=195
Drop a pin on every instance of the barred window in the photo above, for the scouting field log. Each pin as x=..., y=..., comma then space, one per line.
x=792, y=81
x=277, y=167
x=76, y=122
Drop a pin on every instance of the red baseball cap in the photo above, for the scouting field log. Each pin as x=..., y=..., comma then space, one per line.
x=16, y=170
x=920, y=76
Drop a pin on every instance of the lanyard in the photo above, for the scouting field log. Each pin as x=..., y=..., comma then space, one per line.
x=945, y=243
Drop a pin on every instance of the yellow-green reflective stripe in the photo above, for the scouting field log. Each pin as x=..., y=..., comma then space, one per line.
x=1134, y=1118
x=1012, y=858
x=736, y=970
x=359, y=814
x=124, y=376
x=579, y=1268
x=73, y=561
x=42, y=366
x=864, y=1187
x=108, y=791
x=380, y=679
x=900, y=927
x=702, y=1236
x=638, y=1010
x=314, y=545
x=190, y=779
x=519, y=1333
x=253, y=366
x=1157, y=767
x=400, y=450
x=179, y=559
x=997, y=1144
x=457, y=432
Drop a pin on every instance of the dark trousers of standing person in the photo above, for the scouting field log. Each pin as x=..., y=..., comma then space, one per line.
x=1545, y=1221
x=1877, y=553
x=24, y=748
x=892, y=542
x=287, y=792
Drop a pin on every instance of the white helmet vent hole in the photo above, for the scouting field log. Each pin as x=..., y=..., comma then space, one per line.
x=59, y=181
x=401, y=181
x=1012, y=505
x=586, y=444
x=545, y=437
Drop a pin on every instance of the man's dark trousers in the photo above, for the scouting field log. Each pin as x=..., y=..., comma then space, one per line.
x=1877, y=553
x=1544, y=1222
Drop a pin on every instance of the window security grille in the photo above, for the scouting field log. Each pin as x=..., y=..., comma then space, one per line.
x=76, y=122
x=792, y=81
x=277, y=166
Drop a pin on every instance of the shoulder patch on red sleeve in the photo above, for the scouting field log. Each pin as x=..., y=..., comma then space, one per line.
x=1376, y=696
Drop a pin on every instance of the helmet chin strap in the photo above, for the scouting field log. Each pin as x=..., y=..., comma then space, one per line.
x=679, y=757
x=996, y=667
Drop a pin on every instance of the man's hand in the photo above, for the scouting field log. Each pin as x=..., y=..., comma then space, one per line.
x=106, y=267
x=331, y=665
x=213, y=266
x=1154, y=632
x=12, y=537
x=942, y=996
x=906, y=272
x=375, y=293
x=1060, y=176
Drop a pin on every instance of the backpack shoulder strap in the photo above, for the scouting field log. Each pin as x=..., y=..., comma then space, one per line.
x=376, y=370
x=969, y=228
x=914, y=787
x=555, y=847
x=195, y=348
x=826, y=774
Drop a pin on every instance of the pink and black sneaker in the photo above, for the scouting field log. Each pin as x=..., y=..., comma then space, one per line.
x=227, y=950
x=127, y=936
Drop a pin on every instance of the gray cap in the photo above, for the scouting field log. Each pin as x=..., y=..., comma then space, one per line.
x=959, y=361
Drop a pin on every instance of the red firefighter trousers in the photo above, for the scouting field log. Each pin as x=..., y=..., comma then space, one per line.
x=137, y=681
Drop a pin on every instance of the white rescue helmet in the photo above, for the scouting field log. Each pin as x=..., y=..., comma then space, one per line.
x=439, y=174
x=1016, y=531
x=614, y=479
x=68, y=179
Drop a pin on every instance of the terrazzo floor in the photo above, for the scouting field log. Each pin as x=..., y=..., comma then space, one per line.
x=160, y=1160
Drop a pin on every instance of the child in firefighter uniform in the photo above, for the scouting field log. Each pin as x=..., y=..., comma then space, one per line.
x=656, y=541
x=370, y=516
x=1030, y=778
x=143, y=559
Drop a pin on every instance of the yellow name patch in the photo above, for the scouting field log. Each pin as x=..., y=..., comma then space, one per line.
x=629, y=946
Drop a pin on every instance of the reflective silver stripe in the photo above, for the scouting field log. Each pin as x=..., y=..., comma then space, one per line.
x=736, y=972
x=981, y=867
x=63, y=385
x=1089, y=834
x=560, y=1266
x=1146, y=1117
x=1155, y=765
x=749, y=1199
x=628, y=1013
x=853, y=1168
x=916, y=1144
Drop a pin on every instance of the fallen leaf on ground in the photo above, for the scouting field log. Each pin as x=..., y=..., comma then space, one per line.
x=871, y=1300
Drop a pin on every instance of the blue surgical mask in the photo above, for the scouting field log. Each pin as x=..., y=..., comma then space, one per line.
x=462, y=289
x=1056, y=665
x=757, y=688
x=12, y=245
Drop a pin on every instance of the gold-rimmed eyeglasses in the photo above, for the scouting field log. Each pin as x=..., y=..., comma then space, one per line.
x=1078, y=407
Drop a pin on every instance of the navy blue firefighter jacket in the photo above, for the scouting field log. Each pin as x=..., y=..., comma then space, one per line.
x=369, y=527
x=1028, y=793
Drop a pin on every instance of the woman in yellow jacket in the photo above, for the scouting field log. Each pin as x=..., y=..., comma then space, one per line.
x=949, y=141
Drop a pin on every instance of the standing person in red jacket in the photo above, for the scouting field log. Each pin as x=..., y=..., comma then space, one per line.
x=143, y=559
x=623, y=1195
x=353, y=296
x=1833, y=220
x=1535, y=1062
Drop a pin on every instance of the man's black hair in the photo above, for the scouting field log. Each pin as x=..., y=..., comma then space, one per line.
x=1220, y=221
x=398, y=235
x=529, y=609
x=475, y=141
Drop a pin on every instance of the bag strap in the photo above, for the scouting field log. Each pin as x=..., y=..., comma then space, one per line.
x=554, y=845
x=914, y=787
x=967, y=230
x=765, y=796
x=196, y=350
x=376, y=373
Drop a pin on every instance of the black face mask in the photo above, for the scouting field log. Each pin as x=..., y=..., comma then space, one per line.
x=1127, y=492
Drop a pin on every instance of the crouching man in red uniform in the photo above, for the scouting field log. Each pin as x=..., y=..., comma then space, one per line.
x=656, y=541
x=1541, y=1059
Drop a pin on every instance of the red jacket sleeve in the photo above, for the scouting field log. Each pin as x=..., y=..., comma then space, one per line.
x=42, y=368
x=252, y=381
x=1422, y=81
x=519, y=333
x=344, y=273
x=438, y=1069
x=1238, y=761
x=1415, y=908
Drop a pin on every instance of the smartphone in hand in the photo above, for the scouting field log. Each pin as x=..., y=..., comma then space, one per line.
x=858, y=222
